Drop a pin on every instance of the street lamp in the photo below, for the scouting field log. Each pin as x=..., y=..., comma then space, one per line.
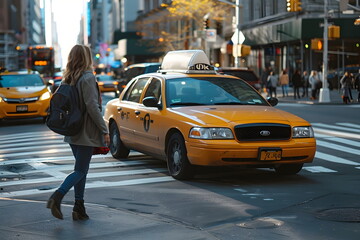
x=237, y=32
x=324, y=95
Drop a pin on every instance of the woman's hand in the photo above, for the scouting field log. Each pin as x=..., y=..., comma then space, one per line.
x=107, y=139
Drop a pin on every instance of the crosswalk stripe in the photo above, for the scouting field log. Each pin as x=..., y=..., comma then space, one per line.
x=93, y=166
x=32, y=143
x=323, y=125
x=97, y=184
x=89, y=176
x=318, y=169
x=351, y=125
x=334, y=159
x=337, y=147
x=60, y=159
x=48, y=147
x=47, y=151
x=30, y=136
x=335, y=133
x=340, y=140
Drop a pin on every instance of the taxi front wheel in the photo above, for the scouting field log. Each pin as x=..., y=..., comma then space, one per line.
x=117, y=148
x=288, y=169
x=178, y=164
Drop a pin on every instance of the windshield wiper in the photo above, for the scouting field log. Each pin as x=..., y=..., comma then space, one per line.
x=186, y=104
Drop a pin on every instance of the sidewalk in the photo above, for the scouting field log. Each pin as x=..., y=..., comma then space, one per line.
x=335, y=97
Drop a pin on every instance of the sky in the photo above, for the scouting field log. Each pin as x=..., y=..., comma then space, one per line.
x=67, y=15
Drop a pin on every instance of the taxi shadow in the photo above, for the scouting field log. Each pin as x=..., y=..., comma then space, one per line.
x=20, y=121
x=247, y=176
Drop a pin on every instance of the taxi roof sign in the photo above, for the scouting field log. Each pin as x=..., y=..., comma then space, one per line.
x=186, y=61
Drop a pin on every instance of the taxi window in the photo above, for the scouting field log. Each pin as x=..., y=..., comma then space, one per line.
x=21, y=80
x=134, y=93
x=210, y=91
x=154, y=89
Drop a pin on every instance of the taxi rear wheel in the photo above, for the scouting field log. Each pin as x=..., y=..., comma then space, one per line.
x=117, y=148
x=288, y=169
x=178, y=164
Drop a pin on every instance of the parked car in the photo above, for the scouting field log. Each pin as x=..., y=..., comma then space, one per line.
x=188, y=115
x=244, y=73
x=107, y=83
x=23, y=95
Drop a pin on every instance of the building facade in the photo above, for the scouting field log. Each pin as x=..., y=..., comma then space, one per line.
x=279, y=39
x=21, y=25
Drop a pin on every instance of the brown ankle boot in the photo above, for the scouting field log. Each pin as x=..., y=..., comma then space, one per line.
x=79, y=212
x=54, y=204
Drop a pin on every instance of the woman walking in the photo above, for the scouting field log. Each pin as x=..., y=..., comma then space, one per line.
x=284, y=83
x=94, y=132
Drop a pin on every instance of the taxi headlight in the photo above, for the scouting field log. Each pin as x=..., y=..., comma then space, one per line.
x=45, y=96
x=210, y=133
x=303, y=132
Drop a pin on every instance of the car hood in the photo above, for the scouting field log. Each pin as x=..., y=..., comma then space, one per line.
x=17, y=92
x=223, y=115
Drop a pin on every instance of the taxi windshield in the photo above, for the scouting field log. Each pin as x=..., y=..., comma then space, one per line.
x=21, y=80
x=210, y=91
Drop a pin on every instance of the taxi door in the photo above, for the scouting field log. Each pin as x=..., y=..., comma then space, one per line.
x=148, y=127
x=127, y=110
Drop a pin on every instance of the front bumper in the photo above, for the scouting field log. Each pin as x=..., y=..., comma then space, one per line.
x=231, y=152
x=34, y=109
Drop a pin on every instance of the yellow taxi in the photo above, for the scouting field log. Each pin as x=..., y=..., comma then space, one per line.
x=188, y=115
x=107, y=83
x=23, y=95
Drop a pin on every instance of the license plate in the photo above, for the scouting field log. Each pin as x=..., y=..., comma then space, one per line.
x=270, y=154
x=22, y=108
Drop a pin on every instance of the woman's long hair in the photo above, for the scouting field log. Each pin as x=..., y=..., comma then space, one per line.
x=79, y=61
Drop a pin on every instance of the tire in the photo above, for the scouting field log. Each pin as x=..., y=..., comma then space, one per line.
x=288, y=169
x=117, y=148
x=178, y=164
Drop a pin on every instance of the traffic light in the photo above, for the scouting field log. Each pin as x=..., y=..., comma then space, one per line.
x=290, y=5
x=206, y=23
x=333, y=31
x=245, y=50
x=297, y=5
x=293, y=5
x=316, y=44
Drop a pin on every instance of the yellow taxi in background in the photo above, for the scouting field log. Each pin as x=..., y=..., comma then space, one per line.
x=23, y=95
x=107, y=83
x=188, y=115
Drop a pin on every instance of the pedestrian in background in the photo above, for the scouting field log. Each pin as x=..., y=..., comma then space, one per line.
x=357, y=85
x=272, y=82
x=305, y=84
x=314, y=82
x=264, y=76
x=346, y=82
x=94, y=133
x=284, y=83
x=296, y=81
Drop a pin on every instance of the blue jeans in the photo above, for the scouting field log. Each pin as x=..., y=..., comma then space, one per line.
x=77, y=178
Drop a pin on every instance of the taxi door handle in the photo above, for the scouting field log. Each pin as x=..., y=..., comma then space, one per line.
x=119, y=109
x=137, y=112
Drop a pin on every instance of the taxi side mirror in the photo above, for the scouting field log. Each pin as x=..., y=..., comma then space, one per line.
x=151, y=102
x=273, y=101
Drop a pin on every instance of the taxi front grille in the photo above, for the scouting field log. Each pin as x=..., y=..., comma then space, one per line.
x=21, y=100
x=262, y=132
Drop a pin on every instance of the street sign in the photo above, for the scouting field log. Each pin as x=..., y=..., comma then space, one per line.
x=211, y=35
x=238, y=37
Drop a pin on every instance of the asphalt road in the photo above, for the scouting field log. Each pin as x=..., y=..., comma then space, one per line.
x=321, y=202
